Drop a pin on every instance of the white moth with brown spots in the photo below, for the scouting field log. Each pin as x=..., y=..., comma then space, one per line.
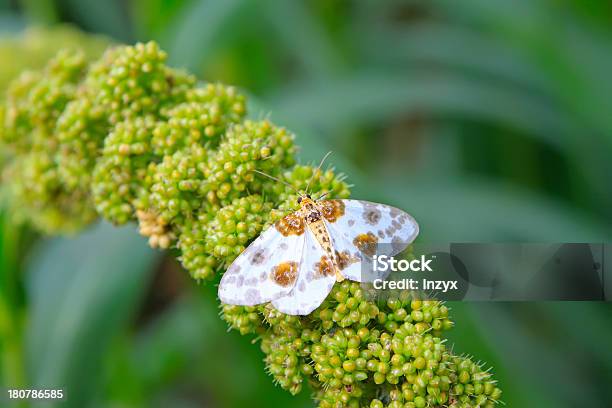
x=295, y=263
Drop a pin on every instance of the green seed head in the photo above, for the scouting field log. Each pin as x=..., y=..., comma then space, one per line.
x=128, y=138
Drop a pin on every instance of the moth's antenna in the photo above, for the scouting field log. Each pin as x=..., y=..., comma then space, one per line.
x=277, y=179
x=315, y=172
x=323, y=195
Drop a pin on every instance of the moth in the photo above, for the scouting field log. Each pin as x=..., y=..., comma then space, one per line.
x=295, y=262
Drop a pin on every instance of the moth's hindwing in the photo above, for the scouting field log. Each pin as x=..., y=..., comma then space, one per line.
x=359, y=230
x=266, y=270
x=316, y=279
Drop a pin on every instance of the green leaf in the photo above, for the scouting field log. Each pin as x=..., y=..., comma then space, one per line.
x=530, y=347
x=40, y=11
x=104, y=17
x=375, y=97
x=568, y=49
x=303, y=36
x=190, y=347
x=152, y=16
x=454, y=46
x=10, y=23
x=194, y=32
x=466, y=337
x=11, y=305
x=82, y=292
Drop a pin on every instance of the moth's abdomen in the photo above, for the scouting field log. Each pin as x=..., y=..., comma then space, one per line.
x=319, y=230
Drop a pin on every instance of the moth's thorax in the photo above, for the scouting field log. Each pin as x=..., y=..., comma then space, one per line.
x=310, y=210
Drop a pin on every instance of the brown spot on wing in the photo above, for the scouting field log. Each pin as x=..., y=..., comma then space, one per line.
x=234, y=269
x=371, y=215
x=259, y=256
x=252, y=296
x=291, y=224
x=397, y=244
x=395, y=226
x=366, y=243
x=285, y=274
x=344, y=259
x=394, y=212
x=332, y=210
x=371, y=212
x=325, y=267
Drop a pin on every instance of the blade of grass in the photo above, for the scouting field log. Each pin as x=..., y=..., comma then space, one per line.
x=454, y=46
x=40, y=11
x=572, y=53
x=193, y=34
x=190, y=346
x=104, y=17
x=466, y=338
x=304, y=37
x=10, y=23
x=82, y=293
x=11, y=307
x=376, y=97
x=519, y=335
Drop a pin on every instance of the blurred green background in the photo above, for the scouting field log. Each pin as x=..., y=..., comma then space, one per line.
x=488, y=120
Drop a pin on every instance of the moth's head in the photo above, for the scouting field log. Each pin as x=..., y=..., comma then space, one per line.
x=304, y=200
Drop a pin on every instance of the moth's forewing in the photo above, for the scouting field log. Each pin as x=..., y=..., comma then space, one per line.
x=315, y=280
x=267, y=269
x=360, y=229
